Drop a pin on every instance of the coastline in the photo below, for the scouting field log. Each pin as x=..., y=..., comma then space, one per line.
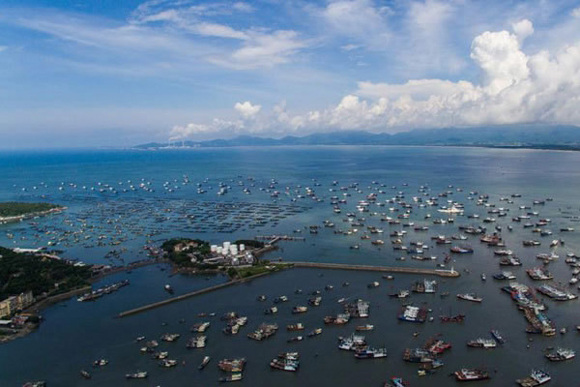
x=30, y=215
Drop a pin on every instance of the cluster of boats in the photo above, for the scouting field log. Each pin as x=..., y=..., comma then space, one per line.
x=100, y=292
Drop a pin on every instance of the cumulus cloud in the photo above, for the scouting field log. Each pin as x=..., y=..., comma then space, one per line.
x=246, y=109
x=516, y=87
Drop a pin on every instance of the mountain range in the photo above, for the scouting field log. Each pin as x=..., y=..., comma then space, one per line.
x=505, y=136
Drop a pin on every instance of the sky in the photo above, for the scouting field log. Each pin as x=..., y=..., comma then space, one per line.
x=118, y=73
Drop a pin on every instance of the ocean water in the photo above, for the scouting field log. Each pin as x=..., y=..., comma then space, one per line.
x=119, y=201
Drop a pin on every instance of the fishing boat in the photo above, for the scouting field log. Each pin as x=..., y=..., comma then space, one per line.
x=371, y=353
x=482, y=343
x=561, y=354
x=418, y=355
x=315, y=332
x=100, y=363
x=413, y=314
x=469, y=297
x=137, y=375
x=466, y=375
x=536, y=378
x=231, y=378
x=295, y=339
x=168, y=289
x=204, y=362
x=497, y=336
x=85, y=374
x=366, y=327
x=295, y=327
x=232, y=365
x=196, y=342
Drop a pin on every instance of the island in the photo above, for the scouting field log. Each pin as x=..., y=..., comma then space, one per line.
x=239, y=259
x=18, y=211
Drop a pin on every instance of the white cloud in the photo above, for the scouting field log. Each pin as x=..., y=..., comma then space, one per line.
x=523, y=29
x=358, y=20
x=246, y=109
x=543, y=87
x=3, y=48
x=576, y=12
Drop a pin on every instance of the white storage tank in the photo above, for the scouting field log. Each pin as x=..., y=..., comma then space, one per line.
x=218, y=249
x=234, y=250
x=227, y=245
x=213, y=248
x=242, y=247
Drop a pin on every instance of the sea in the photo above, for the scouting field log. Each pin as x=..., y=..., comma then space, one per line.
x=121, y=201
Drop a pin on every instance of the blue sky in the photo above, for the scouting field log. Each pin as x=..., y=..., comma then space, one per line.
x=79, y=73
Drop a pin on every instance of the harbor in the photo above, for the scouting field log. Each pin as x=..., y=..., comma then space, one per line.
x=423, y=273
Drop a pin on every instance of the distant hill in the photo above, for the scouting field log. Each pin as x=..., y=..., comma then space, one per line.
x=508, y=136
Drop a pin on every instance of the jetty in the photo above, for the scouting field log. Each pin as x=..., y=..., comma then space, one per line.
x=383, y=269
x=271, y=239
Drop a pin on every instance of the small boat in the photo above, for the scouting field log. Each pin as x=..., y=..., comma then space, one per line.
x=497, y=336
x=469, y=297
x=231, y=378
x=536, y=378
x=561, y=354
x=466, y=374
x=315, y=332
x=367, y=327
x=295, y=339
x=137, y=375
x=168, y=289
x=483, y=277
x=100, y=362
x=85, y=374
x=204, y=362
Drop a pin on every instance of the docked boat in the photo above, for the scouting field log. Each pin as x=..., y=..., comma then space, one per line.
x=295, y=339
x=167, y=363
x=371, y=353
x=204, y=362
x=561, y=354
x=467, y=375
x=413, y=314
x=539, y=274
x=404, y=293
x=200, y=327
x=196, y=342
x=352, y=343
x=504, y=275
x=461, y=250
x=232, y=365
x=295, y=327
x=469, y=297
x=536, y=378
x=284, y=365
x=236, y=377
x=418, y=355
x=482, y=343
x=315, y=332
x=556, y=293
x=299, y=309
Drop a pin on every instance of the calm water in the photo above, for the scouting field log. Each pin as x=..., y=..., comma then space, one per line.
x=74, y=334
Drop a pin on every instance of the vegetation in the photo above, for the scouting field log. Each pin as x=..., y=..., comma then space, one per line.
x=183, y=257
x=250, y=243
x=21, y=272
x=9, y=209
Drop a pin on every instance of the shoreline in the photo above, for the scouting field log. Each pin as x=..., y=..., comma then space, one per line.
x=30, y=215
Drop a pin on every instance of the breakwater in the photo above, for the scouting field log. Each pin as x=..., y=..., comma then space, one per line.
x=385, y=269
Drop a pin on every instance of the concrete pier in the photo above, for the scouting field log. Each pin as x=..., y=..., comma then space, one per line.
x=385, y=269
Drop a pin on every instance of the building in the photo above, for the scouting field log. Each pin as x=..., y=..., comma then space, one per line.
x=15, y=303
x=6, y=308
